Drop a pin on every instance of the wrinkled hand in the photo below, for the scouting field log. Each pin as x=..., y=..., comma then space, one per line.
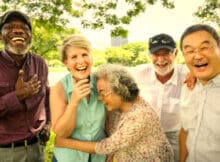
x=109, y=158
x=190, y=81
x=23, y=89
x=81, y=89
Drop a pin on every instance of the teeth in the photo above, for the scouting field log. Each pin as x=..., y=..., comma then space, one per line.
x=17, y=39
x=200, y=65
x=81, y=68
x=162, y=63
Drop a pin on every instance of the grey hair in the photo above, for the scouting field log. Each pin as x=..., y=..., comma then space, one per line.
x=120, y=81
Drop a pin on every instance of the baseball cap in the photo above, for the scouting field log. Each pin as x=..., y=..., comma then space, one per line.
x=17, y=14
x=161, y=41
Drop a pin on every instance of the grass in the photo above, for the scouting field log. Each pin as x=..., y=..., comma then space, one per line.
x=49, y=147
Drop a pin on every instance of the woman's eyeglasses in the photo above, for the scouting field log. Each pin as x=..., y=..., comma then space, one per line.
x=101, y=96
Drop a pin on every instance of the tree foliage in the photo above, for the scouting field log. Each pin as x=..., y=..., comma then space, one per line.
x=50, y=19
x=94, y=14
x=209, y=12
x=102, y=13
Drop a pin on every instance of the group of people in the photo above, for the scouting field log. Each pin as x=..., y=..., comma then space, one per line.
x=146, y=114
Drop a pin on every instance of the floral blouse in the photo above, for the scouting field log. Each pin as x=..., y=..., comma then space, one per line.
x=136, y=136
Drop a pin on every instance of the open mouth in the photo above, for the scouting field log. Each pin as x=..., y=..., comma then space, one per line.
x=201, y=65
x=18, y=39
x=162, y=64
x=81, y=68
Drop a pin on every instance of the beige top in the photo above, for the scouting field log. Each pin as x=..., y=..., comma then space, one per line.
x=136, y=135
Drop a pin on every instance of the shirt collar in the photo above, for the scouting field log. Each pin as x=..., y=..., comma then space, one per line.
x=10, y=59
x=216, y=80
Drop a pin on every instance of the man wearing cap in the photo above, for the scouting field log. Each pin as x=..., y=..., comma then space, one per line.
x=160, y=83
x=23, y=87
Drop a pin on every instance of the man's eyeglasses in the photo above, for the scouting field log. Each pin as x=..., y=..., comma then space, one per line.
x=202, y=49
x=101, y=96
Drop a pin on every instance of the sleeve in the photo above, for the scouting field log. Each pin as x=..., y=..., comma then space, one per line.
x=128, y=132
x=9, y=103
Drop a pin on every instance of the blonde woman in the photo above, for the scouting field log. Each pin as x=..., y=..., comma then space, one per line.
x=75, y=109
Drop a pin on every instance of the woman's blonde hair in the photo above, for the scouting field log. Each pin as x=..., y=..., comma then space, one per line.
x=78, y=41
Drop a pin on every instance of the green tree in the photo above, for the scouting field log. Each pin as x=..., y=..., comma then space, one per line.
x=93, y=14
x=119, y=56
x=139, y=50
x=209, y=12
x=98, y=57
x=99, y=13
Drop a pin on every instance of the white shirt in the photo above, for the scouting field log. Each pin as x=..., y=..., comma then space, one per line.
x=200, y=115
x=163, y=98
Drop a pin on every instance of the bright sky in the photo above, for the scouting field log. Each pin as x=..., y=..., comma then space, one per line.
x=156, y=19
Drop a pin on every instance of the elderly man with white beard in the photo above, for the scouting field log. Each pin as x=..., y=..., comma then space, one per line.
x=23, y=91
x=161, y=82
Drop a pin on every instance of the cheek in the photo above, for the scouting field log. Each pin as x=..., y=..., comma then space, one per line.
x=154, y=59
x=69, y=64
x=89, y=61
x=188, y=60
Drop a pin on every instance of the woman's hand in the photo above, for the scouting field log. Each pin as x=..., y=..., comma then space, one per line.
x=81, y=89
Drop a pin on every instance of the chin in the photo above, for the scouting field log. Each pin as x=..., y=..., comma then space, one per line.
x=18, y=51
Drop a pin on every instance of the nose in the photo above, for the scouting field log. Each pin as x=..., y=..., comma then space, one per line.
x=80, y=59
x=198, y=54
x=17, y=30
x=160, y=57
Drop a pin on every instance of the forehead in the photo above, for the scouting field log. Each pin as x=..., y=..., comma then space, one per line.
x=197, y=38
x=102, y=84
x=70, y=49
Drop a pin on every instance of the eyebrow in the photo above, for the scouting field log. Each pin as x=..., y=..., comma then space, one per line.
x=100, y=91
x=204, y=42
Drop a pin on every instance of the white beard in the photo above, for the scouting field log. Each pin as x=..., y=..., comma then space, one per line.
x=164, y=72
x=17, y=51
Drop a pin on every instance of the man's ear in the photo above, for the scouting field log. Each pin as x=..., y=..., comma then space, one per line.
x=175, y=52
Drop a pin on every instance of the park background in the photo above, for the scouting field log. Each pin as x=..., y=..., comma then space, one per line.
x=118, y=29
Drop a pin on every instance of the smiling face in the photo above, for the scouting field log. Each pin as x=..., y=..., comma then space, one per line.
x=163, y=61
x=16, y=35
x=78, y=62
x=202, y=55
x=107, y=97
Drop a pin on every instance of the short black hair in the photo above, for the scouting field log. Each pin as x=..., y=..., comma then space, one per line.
x=199, y=27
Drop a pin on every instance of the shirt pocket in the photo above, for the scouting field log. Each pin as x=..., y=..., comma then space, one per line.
x=173, y=105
